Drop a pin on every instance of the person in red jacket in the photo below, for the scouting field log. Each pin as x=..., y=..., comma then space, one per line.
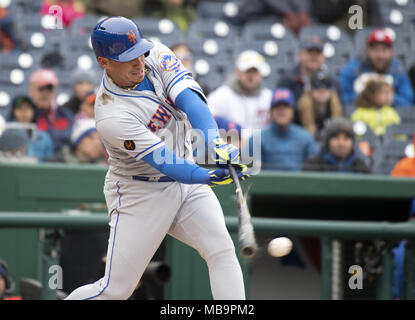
x=55, y=120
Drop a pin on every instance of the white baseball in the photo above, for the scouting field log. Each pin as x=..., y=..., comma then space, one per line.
x=280, y=247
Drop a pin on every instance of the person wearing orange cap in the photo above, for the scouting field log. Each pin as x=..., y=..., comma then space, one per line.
x=378, y=63
x=57, y=121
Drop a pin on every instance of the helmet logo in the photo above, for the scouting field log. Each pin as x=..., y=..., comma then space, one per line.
x=131, y=36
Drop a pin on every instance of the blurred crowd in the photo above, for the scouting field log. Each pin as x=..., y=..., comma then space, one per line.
x=311, y=118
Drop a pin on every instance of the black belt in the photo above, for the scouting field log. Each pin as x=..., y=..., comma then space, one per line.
x=154, y=179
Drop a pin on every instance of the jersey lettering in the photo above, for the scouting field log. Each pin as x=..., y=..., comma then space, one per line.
x=161, y=116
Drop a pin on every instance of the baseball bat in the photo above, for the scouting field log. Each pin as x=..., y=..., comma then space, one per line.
x=246, y=235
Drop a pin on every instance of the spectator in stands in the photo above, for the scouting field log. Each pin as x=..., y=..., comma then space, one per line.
x=319, y=104
x=179, y=11
x=404, y=168
x=374, y=107
x=57, y=121
x=86, y=146
x=9, y=37
x=4, y=280
x=83, y=82
x=71, y=10
x=378, y=62
x=14, y=142
x=284, y=145
x=311, y=59
x=411, y=74
x=243, y=98
x=184, y=54
x=125, y=8
x=293, y=13
x=337, y=153
x=6, y=283
x=40, y=144
x=86, y=109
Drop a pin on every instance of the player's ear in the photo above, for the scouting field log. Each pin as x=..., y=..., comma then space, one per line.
x=103, y=62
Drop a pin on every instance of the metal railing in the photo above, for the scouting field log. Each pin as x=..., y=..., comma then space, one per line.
x=324, y=229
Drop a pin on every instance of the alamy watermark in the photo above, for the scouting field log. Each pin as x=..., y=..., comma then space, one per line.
x=356, y=20
x=56, y=277
x=356, y=278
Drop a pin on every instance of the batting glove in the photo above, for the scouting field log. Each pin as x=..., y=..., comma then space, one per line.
x=224, y=154
x=222, y=177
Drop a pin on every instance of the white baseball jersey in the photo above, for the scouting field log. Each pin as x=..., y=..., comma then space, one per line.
x=133, y=123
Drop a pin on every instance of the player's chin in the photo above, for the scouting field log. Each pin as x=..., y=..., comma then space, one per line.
x=137, y=76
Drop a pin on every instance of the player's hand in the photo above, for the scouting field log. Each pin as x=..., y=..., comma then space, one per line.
x=224, y=153
x=222, y=176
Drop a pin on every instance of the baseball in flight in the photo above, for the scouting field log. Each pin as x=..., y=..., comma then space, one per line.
x=280, y=247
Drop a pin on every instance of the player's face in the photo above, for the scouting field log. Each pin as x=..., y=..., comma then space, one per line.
x=341, y=145
x=125, y=74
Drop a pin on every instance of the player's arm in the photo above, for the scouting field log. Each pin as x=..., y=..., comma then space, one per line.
x=185, y=171
x=198, y=113
x=201, y=118
x=129, y=136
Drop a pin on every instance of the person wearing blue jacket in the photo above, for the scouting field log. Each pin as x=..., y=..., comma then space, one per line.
x=379, y=61
x=284, y=145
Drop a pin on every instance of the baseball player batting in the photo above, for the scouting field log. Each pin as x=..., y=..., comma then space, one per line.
x=146, y=105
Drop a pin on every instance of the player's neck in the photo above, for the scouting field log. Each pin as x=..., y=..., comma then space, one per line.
x=123, y=85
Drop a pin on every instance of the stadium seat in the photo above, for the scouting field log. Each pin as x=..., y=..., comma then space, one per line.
x=348, y=110
x=212, y=28
x=224, y=10
x=82, y=60
x=165, y=30
x=327, y=32
x=277, y=52
x=386, y=157
x=401, y=132
x=266, y=29
x=217, y=69
x=29, y=21
x=218, y=48
x=407, y=115
x=79, y=43
x=24, y=6
x=85, y=25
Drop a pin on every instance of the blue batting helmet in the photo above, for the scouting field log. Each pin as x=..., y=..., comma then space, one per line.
x=119, y=39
